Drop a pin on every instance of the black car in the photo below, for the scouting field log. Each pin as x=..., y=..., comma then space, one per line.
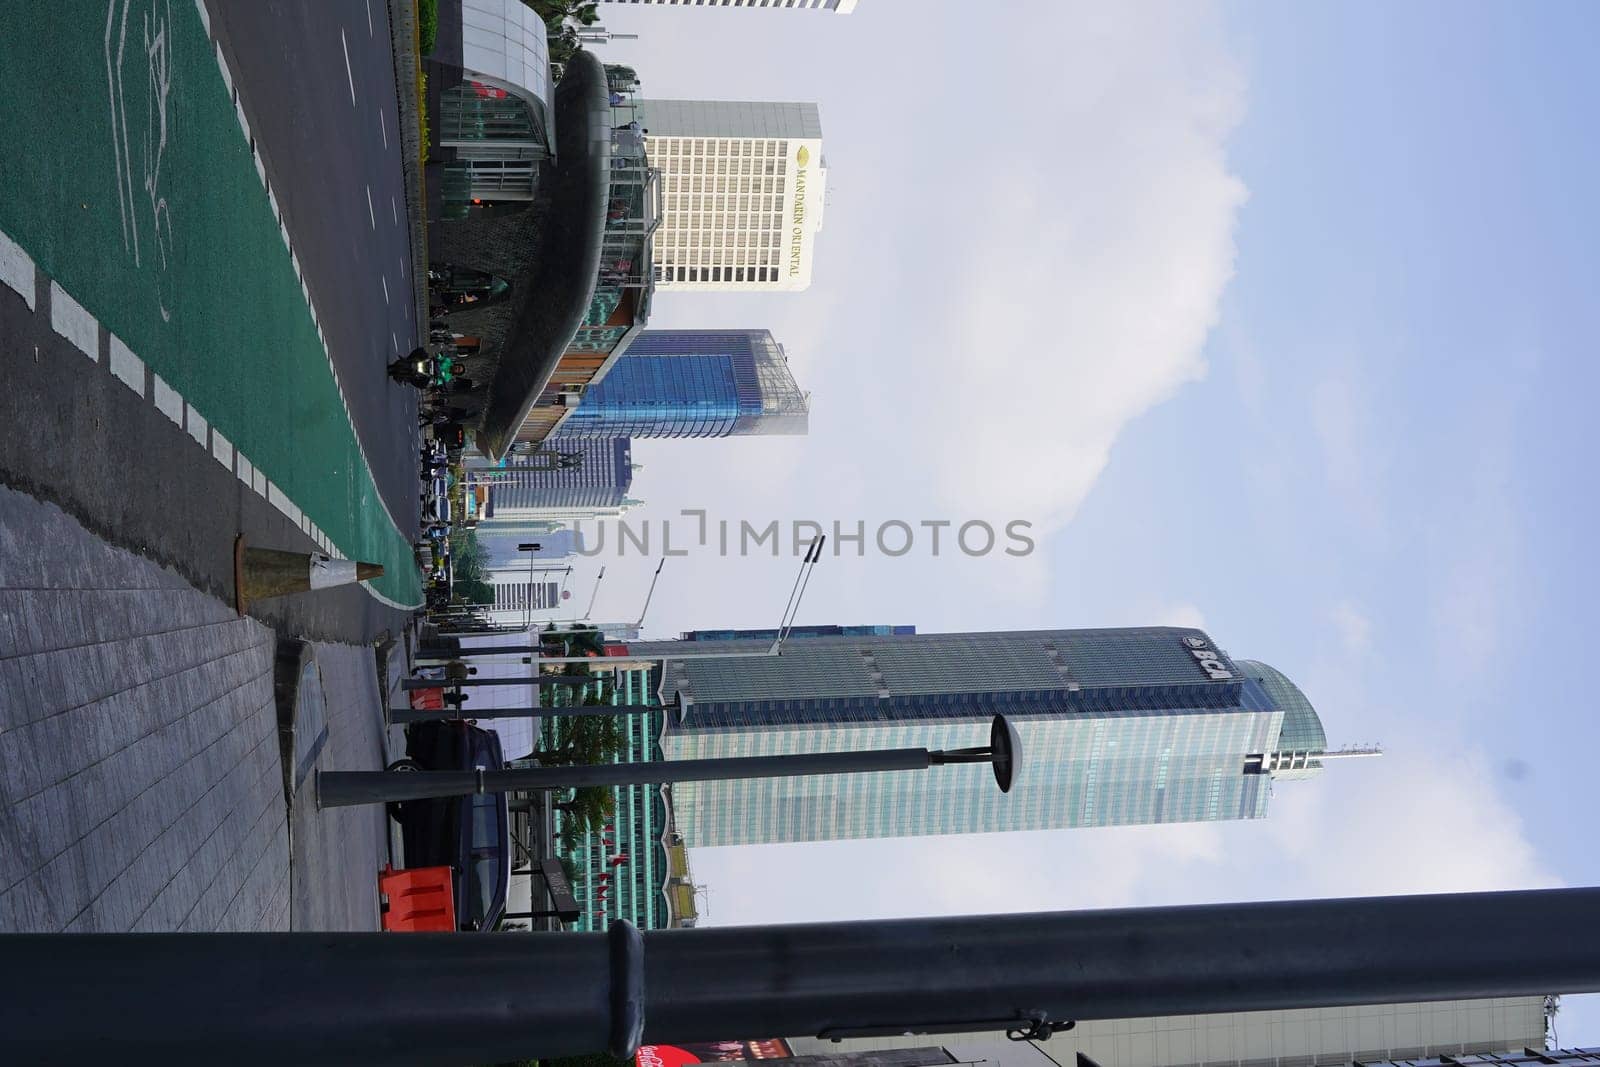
x=470, y=834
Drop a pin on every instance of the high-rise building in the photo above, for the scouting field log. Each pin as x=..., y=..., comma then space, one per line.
x=623, y=868
x=1307, y=1037
x=838, y=7
x=693, y=383
x=741, y=192
x=514, y=591
x=1119, y=727
x=587, y=473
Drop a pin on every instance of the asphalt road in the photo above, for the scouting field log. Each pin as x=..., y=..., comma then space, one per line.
x=317, y=81
x=165, y=382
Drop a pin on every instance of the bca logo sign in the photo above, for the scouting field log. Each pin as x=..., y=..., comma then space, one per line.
x=1207, y=657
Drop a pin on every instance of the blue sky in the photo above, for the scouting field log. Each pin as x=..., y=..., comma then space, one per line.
x=1274, y=318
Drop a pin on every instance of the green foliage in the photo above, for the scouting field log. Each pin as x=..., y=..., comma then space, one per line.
x=471, y=563
x=427, y=25
x=582, y=739
x=589, y=807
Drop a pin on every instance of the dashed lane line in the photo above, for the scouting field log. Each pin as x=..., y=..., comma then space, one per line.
x=221, y=448
x=351, y=78
x=127, y=366
x=371, y=217
x=168, y=402
x=70, y=320
x=195, y=423
x=16, y=271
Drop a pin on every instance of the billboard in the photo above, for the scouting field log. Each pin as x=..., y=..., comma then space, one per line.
x=711, y=1052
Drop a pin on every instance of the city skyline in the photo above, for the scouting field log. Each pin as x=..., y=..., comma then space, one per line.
x=1228, y=337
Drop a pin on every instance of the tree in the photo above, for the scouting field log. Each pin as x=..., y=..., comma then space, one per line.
x=589, y=807
x=582, y=739
x=470, y=563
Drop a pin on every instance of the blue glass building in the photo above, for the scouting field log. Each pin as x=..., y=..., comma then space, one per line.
x=693, y=383
x=1119, y=727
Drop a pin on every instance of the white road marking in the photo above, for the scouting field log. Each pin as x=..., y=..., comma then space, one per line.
x=16, y=270
x=369, y=18
x=372, y=218
x=383, y=127
x=258, y=482
x=272, y=202
x=238, y=109
x=395, y=211
x=221, y=448
x=394, y=346
x=261, y=171
x=195, y=423
x=68, y=319
x=126, y=365
x=385, y=288
x=245, y=471
x=227, y=75
x=168, y=402
x=205, y=16
x=351, y=78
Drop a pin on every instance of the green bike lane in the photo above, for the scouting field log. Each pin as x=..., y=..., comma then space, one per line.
x=128, y=178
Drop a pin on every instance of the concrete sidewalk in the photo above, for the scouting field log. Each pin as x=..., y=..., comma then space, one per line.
x=141, y=781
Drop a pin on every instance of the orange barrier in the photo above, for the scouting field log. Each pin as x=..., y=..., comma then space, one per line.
x=428, y=699
x=422, y=898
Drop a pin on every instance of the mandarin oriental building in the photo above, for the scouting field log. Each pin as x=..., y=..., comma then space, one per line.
x=742, y=187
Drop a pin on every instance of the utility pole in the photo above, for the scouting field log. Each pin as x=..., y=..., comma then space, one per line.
x=449, y=999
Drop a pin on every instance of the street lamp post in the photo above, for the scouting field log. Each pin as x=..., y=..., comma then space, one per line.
x=357, y=999
x=408, y=715
x=541, y=681
x=335, y=789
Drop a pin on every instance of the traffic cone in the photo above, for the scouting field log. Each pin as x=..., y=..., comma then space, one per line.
x=259, y=573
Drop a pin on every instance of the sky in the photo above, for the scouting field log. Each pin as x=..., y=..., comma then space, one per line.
x=1274, y=319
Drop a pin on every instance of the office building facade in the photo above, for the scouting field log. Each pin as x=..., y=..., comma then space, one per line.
x=693, y=383
x=742, y=187
x=586, y=473
x=1119, y=727
x=1441, y=1032
x=622, y=869
x=838, y=7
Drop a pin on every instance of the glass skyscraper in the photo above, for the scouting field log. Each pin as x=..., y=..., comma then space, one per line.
x=693, y=383
x=1119, y=727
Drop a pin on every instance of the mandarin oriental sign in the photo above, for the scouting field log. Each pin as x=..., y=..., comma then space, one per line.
x=1209, y=659
x=798, y=217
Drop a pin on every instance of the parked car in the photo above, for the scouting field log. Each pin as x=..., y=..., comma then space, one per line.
x=439, y=499
x=471, y=835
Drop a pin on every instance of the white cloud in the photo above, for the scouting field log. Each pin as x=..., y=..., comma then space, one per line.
x=1087, y=271
x=1354, y=627
x=1421, y=819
